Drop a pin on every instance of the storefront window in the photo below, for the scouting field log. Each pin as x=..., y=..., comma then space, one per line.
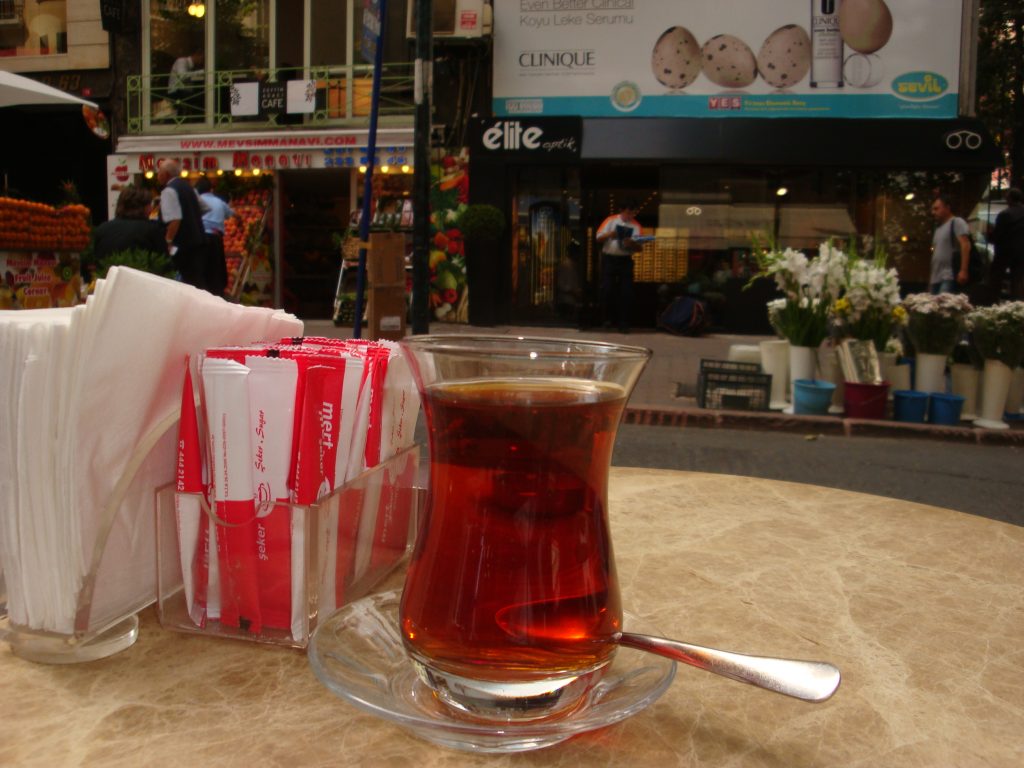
x=329, y=32
x=33, y=27
x=242, y=36
x=548, y=255
x=717, y=217
x=176, y=58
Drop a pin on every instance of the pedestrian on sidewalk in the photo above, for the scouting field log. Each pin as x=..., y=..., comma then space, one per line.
x=616, y=235
x=213, y=225
x=1008, y=238
x=182, y=217
x=951, y=249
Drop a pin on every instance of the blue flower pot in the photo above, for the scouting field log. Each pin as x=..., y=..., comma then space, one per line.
x=909, y=405
x=945, y=409
x=812, y=397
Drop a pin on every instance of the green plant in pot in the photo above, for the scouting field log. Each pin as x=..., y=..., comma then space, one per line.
x=140, y=259
x=482, y=223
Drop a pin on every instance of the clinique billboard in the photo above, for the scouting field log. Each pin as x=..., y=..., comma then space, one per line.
x=715, y=58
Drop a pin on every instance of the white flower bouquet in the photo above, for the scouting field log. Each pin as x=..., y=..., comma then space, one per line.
x=809, y=287
x=935, y=322
x=870, y=306
x=998, y=332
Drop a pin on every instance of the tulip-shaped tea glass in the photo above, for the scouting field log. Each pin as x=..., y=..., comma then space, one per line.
x=511, y=603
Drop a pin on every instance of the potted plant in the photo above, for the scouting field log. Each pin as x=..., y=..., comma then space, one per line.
x=809, y=288
x=934, y=323
x=868, y=310
x=998, y=335
x=965, y=376
x=870, y=307
x=140, y=259
x=482, y=223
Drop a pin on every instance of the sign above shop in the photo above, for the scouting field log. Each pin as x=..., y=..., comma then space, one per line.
x=537, y=139
x=733, y=58
x=261, y=99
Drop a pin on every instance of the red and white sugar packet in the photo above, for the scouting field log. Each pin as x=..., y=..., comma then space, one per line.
x=374, y=518
x=394, y=408
x=337, y=531
x=192, y=524
x=229, y=449
x=272, y=385
x=318, y=443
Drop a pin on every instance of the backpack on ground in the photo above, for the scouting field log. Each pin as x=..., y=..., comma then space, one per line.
x=685, y=316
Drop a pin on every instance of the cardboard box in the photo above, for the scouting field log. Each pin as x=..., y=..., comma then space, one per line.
x=386, y=312
x=385, y=260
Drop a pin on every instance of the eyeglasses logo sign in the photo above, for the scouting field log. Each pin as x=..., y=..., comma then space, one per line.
x=962, y=139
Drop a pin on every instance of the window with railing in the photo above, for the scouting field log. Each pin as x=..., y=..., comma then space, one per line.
x=229, y=64
x=33, y=27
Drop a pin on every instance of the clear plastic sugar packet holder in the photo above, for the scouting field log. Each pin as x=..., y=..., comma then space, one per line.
x=95, y=634
x=342, y=547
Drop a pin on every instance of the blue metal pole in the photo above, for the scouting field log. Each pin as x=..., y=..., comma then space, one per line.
x=371, y=159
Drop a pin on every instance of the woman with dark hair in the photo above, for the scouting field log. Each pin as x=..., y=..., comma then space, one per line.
x=131, y=227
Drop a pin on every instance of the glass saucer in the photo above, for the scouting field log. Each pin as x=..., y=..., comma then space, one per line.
x=358, y=654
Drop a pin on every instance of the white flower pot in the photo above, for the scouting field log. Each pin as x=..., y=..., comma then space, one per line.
x=930, y=372
x=828, y=364
x=895, y=372
x=965, y=383
x=995, y=385
x=775, y=361
x=744, y=353
x=801, y=366
x=1016, y=393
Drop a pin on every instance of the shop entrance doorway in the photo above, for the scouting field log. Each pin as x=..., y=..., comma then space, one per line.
x=548, y=247
x=605, y=187
x=315, y=207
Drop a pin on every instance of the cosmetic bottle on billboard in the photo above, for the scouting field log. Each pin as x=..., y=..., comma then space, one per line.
x=826, y=45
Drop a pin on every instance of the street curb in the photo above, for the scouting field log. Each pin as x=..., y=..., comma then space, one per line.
x=704, y=418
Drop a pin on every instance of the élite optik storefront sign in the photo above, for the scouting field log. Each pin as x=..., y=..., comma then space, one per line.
x=536, y=139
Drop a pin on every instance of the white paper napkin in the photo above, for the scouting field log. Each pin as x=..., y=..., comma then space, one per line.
x=98, y=390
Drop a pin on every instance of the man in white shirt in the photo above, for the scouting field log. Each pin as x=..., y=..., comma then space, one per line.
x=616, y=235
x=181, y=213
x=184, y=84
x=951, y=249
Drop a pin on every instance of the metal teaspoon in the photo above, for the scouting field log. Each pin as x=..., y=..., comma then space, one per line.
x=813, y=681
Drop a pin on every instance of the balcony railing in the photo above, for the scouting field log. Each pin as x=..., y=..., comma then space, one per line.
x=340, y=98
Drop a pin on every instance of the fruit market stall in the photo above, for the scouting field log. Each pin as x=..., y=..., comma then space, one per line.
x=248, y=254
x=40, y=249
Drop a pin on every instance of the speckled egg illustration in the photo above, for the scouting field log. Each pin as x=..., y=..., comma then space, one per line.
x=676, y=59
x=785, y=56
x=866, y=25
x=728, y=61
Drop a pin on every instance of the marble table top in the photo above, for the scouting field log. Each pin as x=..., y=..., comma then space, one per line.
x=921, y=608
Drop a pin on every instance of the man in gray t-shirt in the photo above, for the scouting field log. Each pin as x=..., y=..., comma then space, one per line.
x=943, y=278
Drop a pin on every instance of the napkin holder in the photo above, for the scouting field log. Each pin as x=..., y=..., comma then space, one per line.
x=100, y=630
x=373, y=517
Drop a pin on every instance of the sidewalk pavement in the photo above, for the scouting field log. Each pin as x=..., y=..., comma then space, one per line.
x=665, y=395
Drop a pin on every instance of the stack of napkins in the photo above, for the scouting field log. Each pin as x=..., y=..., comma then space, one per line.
x=90, y=398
